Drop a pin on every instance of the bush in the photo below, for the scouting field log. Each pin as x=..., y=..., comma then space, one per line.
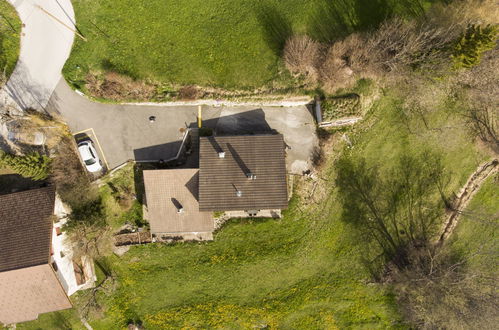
x=344, y=62
x=341, y=106
x=302, y=56
x=32, y=165
x=68, y=174
x=188, y=93
x=89, y=211
x=118, y=87
x=87, y=229
x=475, y=41
x=439, y=290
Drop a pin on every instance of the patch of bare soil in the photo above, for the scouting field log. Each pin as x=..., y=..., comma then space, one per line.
x=117, y=87
x=315, y=186
x=466, y=194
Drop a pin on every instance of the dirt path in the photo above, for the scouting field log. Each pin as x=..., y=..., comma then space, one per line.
x=471, y=187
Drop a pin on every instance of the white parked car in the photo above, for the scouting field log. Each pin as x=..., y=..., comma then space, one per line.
x=89, y=156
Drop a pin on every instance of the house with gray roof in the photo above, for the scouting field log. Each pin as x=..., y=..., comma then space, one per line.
x=243, y=176
x=243, y=173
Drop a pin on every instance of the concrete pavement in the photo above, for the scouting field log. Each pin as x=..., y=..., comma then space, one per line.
x=45, y=46
x=125, y=132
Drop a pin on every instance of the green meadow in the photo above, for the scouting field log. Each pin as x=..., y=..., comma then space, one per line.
x=230, y=44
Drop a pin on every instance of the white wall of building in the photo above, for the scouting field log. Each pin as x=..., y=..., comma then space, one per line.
x=63, y=255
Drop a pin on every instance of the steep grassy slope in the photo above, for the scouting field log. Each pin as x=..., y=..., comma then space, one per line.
x=231, y=44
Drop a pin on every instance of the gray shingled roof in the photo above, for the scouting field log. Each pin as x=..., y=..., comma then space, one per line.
x=25, y=228
x=220, y=178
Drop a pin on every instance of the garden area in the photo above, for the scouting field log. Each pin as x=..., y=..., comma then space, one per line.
x=160, y=49
x=312, y=268
x=298, y=271
x=358, y=239
x=10, y=30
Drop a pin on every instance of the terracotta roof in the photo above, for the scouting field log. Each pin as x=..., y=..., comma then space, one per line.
x=166, y=192
x=30, y=291
x=25, y=228
x=221, y=178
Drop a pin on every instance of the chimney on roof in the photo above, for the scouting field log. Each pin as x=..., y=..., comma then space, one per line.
x=250, y=176
x=178, y=205
x=221, y=154
x=239, y=193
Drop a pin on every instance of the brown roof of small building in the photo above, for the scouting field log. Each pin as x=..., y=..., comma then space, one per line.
x=25, y=293
x=25, y=228
x=220, y=178
x=166, y=192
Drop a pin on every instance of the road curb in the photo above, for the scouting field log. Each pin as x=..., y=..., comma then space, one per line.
x=208, y=102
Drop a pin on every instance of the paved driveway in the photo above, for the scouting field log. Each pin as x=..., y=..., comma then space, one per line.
x=45, y=46
x=125, y=132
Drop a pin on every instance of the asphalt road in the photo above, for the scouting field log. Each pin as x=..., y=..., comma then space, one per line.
x=125, y=132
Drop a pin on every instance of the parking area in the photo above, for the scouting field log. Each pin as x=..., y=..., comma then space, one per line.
x=88, y=137
x=126, y=132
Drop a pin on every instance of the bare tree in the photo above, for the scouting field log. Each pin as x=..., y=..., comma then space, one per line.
x=89, y=300
x=67, y=173
x=345, y=61
x=484, y=124
x=438, y=290
x=480, y=88
x=398, y=43
x=93, y=240
x=302, y=56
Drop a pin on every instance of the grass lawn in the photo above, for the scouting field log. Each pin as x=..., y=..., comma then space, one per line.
x=392, y=133
x=121, y=199
x=477, y=229
x=265, y=272
x=61, y=320
x=10, y=29
x=230, y=44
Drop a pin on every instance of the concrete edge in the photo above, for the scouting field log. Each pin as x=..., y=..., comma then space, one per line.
x=208, y=102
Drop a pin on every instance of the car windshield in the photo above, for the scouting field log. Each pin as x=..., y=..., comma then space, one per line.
x=90, y=161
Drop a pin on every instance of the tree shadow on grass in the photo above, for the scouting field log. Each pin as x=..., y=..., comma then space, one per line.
x=61, y=321
x=276, y=27
x=335, y=19
x=332, y=20
x=371, y=13
x=109, y=66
